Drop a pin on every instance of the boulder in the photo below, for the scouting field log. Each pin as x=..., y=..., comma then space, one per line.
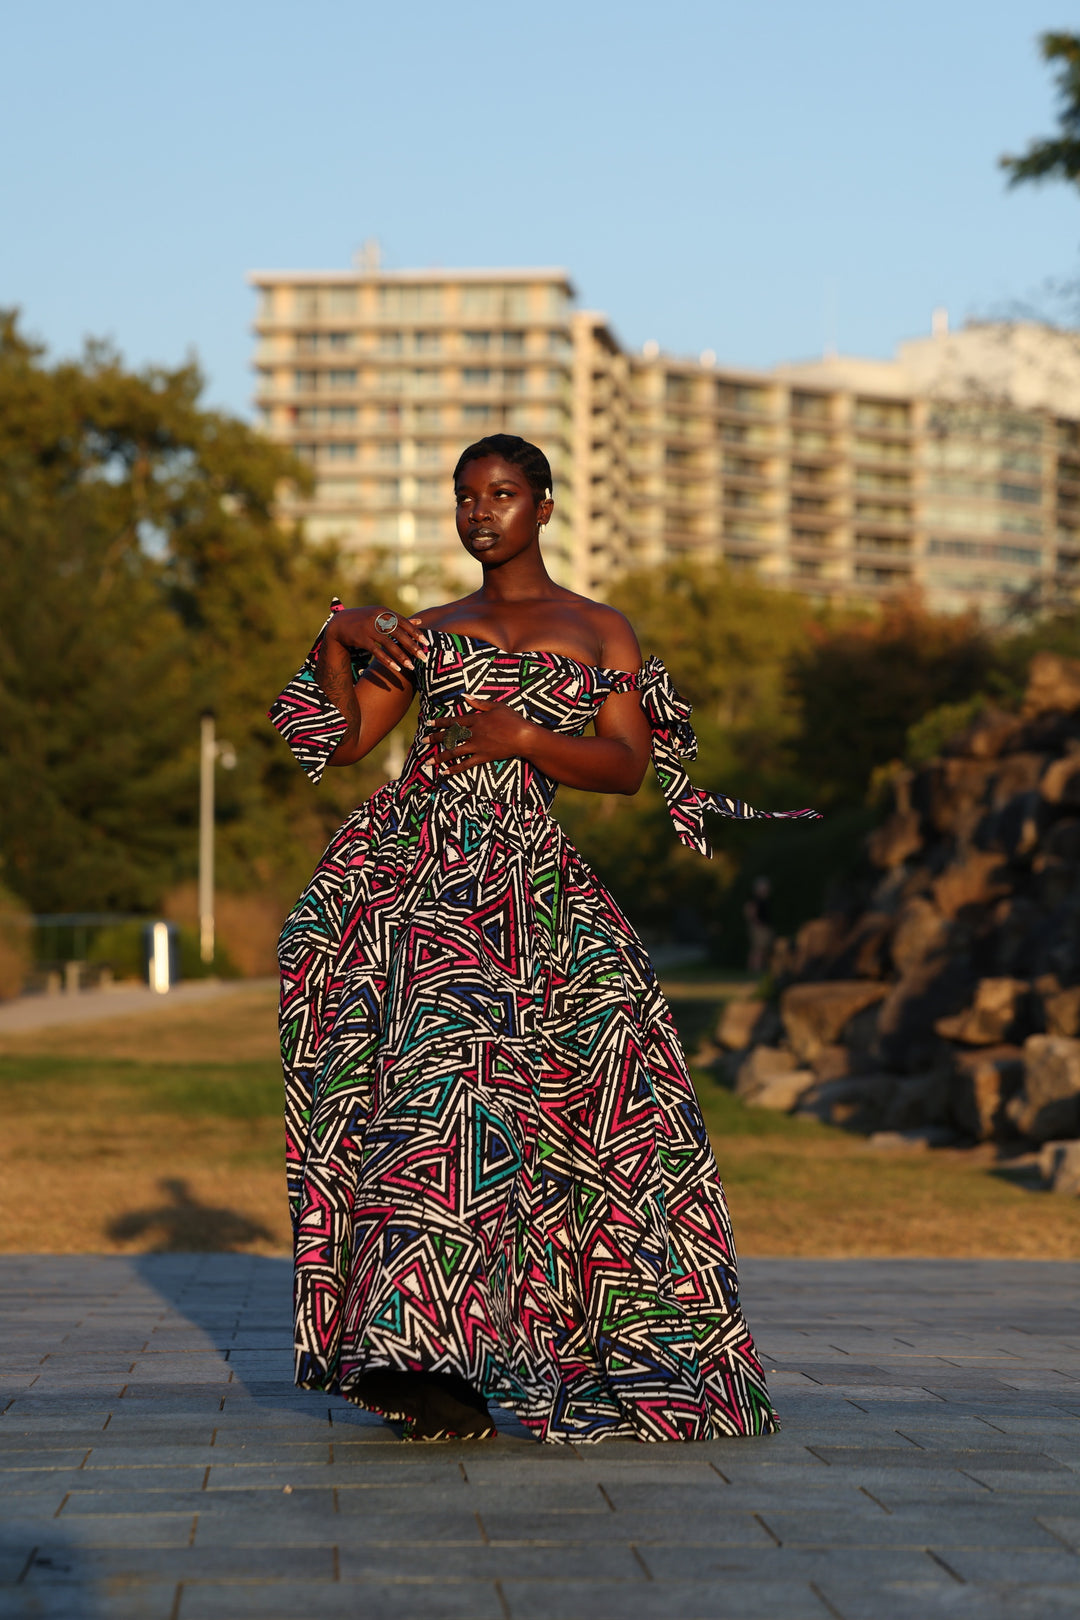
x=988, y=735
x=980, y=877
x=993, y=1017
x=1061, y=1011
x=737, y=1022
x=919, y=932
x=859, y=1103
x=890, y=844
x=918, y=1100
x=814, y=1015
x=1053, y=684
x=1049, y=1105
x=906, y=1038
x=782, y=1092
x=1059, y=1163
x=1017, y=773
x=982, y=1085
x=760, y=1066
x=1060, y=782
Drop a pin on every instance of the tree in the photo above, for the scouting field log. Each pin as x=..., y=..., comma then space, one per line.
x=861, y=684
x=145, y=578
x=1058, y=157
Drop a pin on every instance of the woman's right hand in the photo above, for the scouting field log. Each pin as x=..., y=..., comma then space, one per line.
x=355, y=628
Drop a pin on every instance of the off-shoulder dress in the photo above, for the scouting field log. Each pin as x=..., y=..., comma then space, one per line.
x=497, y=1164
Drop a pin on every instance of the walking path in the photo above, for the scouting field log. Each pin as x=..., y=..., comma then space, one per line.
x=91, y=1006
x=157, y=1463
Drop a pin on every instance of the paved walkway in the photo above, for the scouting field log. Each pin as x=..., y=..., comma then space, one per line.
x=158, y=1464
x=122, y=1001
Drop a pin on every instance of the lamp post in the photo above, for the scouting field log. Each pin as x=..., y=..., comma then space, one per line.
x=210, y=751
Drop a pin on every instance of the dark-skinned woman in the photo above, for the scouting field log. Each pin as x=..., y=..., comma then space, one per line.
x=501, y=1186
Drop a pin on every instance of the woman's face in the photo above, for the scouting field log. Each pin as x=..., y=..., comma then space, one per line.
x=497, y=512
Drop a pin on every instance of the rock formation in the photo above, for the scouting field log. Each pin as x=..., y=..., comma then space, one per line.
x=946, y=1001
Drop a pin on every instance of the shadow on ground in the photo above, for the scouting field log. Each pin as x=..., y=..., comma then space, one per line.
x=183, y=1225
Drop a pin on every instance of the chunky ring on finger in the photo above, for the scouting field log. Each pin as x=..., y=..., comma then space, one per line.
x=386, y=622
x=456, y=734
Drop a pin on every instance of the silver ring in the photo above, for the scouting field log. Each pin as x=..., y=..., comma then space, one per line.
x=386, y=622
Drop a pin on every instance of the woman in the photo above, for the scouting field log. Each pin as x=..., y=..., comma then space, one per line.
x=500, y=1183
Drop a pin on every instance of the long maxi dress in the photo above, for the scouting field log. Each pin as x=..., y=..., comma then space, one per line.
x=497, y=1164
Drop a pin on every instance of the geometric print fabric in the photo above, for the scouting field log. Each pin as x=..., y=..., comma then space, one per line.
x=497, y=1164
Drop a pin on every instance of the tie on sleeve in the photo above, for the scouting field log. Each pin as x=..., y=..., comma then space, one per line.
x=673, y=741
x=309, y=721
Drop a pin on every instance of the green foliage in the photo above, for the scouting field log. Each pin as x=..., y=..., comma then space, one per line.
x=727, y=641
x=928, y=736
x=863, y=683
x=145, y=579
x=1056, y=158
x=122, y=948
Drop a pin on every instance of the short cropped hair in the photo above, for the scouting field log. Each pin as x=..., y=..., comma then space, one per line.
x=519, y=453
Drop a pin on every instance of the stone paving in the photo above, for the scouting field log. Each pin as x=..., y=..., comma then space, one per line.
x=157, y=1463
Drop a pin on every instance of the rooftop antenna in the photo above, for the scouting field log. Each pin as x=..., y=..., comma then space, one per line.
x=939, y=322
x=368, y=258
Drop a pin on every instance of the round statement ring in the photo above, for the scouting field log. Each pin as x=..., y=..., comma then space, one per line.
x=386, y=622
x=456, y=734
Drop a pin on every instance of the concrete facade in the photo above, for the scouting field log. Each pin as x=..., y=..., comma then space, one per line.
x=953, y=468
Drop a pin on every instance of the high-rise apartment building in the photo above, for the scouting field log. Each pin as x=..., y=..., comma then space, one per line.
x=954, y=467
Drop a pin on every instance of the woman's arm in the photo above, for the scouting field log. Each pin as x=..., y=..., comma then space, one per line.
x=375, y=703
x=613, y=761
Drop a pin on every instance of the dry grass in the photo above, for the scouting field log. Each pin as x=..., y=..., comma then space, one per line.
x=163, y=1131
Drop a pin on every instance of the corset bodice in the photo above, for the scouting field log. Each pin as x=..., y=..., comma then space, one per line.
x=549, y=689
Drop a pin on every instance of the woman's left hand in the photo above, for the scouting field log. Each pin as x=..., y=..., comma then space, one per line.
x=496, y=732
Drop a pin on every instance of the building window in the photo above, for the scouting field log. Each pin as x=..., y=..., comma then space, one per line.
x=513, y=342
x=427, y=342
x=305, y=382
x=428, y=417
x=388, y=382
x=341, y=300
x=342, y=415
x=477, y=342
x=341, y=450
x=306, y=452
x=307, y=342
x=476, y=376
x=885, y=415
x=678, y=390
x=739, y=397
x=477, y=415
x=338, y=341
x=342, y=379
x=432, y=492
x=514, y=381
x=306, y=303
x=388, y=491
x=1030, y=493
x=388, y=454
x=391, y=342
x=810, y=407
x=411, y=303
x=388, y=418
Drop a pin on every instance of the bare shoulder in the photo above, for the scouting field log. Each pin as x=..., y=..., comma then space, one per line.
x=432, y=617
x=618, y=642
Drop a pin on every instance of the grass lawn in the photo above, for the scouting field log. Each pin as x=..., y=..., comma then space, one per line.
x=164, y=1132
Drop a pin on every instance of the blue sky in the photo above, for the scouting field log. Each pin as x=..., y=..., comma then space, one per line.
x=739, y=177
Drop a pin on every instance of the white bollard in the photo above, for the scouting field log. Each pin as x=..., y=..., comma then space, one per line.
x=160, y=975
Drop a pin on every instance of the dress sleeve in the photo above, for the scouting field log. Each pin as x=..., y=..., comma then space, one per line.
x=673, y=741
x=309, y=721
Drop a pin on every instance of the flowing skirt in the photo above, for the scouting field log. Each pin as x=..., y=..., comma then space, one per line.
x=497, y=1164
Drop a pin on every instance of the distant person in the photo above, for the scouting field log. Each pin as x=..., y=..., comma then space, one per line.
x=759, y=925
x=501, y=1186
